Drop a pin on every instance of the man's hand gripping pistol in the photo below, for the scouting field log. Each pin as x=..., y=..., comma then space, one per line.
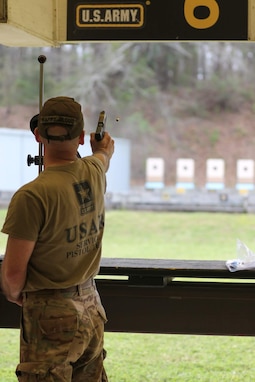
x=101, y=124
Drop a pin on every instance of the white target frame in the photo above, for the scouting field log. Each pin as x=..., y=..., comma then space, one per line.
x=245, y=170
x=155, y=169
x=215, y=170
x=185, y=169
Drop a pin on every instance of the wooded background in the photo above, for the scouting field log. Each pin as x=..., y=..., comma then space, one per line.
x=174, y=99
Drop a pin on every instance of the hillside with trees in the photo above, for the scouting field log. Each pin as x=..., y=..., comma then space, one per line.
x=174, y=100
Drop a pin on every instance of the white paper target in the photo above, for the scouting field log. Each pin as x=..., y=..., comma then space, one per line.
x=185, y=168
x=215, y=169
x=245, y=169
x=155, y=169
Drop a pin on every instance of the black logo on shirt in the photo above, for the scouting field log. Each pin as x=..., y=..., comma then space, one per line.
x=85, y=198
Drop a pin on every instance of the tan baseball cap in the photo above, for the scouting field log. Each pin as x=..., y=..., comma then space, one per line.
x=61, y=111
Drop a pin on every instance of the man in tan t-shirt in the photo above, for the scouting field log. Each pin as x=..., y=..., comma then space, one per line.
x=55, y=227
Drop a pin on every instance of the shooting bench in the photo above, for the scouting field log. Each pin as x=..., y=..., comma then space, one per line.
x=169, y=296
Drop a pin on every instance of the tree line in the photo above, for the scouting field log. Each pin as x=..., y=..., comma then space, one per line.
x=135, y=80
x=149, y=85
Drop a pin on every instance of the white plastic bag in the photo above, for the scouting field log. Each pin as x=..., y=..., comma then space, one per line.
x=245, y=258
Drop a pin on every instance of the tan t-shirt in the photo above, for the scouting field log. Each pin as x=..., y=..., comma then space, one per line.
x=63, y=211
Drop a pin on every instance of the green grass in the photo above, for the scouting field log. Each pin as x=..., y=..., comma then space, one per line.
x=176, y=235
x=162, y=358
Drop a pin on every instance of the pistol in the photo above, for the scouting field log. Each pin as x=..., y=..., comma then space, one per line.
x=99, y=135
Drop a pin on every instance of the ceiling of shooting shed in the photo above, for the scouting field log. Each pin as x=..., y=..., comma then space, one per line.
x=34, y=23
x=39, y=23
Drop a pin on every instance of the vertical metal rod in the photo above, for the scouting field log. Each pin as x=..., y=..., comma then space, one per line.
x=41, y=60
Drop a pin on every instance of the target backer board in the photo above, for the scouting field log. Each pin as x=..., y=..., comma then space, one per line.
x=245, y=175
x=245, y=170
x=215, y=174
x=155, y=173
x=185, y=171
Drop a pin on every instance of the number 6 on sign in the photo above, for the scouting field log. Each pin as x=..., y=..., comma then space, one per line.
x=208, y=22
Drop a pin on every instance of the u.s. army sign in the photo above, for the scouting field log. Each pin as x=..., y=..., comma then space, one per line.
x=157, y=20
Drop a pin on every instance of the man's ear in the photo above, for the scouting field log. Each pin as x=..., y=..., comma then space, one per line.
x=82, y=138
x=37, y=135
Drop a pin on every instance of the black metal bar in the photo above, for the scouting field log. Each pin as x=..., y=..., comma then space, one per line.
x=180, y=308
x=171, y=268
x=41, y=60
x=169, y=296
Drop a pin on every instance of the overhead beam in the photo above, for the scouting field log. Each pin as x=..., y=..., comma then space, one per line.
x=3, y=12
x=34, y=23
x=251, y=20
x=39, y=23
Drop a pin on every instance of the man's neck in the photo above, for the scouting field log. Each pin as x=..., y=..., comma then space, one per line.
x=50, y=162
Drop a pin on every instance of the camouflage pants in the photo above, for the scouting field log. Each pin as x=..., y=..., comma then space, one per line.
x=62, y=337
